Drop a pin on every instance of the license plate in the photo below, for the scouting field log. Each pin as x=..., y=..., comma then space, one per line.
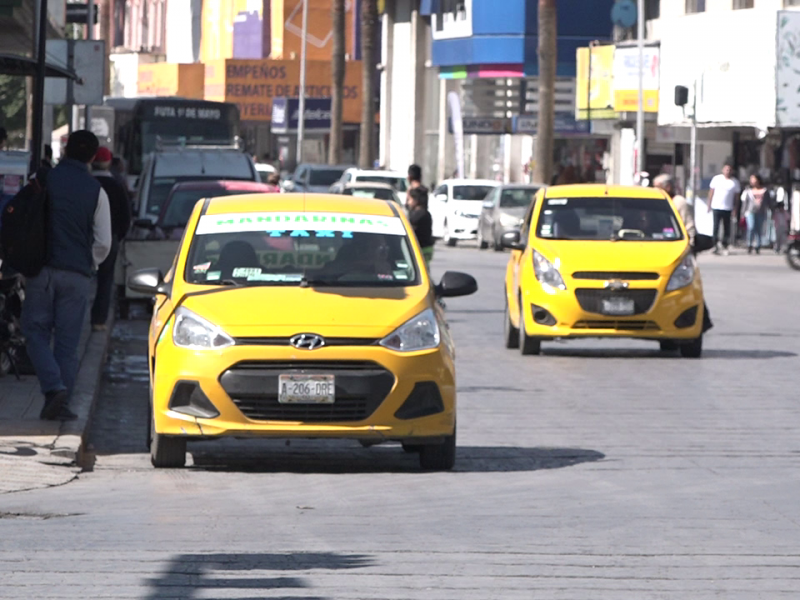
x=618, y=306
x=306, y=389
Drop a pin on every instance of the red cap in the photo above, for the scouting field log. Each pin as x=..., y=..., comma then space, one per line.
x=103, y=155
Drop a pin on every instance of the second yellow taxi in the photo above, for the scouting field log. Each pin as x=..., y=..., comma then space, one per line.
x=603, y=261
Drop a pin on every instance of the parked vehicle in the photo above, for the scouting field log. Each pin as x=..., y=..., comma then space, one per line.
x=264, y=171
x=301, y=316
x=314, y=178
x=164, y=168
x=155, y=244
x=502, y=211
x=381, y=191
x=395, y=179
x=456, y=206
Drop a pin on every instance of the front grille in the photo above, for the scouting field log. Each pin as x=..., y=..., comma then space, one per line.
x=618, y=325
x=591, y=300
x=361, y=386
x=624, y=275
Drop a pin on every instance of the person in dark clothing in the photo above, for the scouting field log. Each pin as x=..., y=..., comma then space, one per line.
x=120, y=208
x=47, y=161
x=56, y=300
x=421, y=221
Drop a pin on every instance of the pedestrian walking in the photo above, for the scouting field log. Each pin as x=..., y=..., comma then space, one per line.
x=667, y=183
x=755, y=203
x=721, y=199
x=56, y=300
x=421, y=221
x=415, y=177
x=120, y=209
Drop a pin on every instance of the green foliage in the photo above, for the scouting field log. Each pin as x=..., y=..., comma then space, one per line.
x=12, y=105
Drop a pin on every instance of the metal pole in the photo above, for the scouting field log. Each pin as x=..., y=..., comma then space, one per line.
x=301, y=122
x=38, y=94
x=693, y=148
x=87, y=120
x=640, y=109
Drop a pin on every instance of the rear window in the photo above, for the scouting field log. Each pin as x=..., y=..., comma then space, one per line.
x=471, y=192
x=162, y=186
x=615, y=219
x=520, y=198
x=179, y=209
x=324, y=176
x=397, y=183
x=380, y=194
x=298, y=249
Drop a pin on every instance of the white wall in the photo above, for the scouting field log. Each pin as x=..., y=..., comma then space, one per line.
x=737, y=77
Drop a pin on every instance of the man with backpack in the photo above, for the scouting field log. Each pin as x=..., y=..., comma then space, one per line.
x=78, y=239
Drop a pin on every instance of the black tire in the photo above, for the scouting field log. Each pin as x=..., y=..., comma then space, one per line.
x=496, y=245
x=166, y=452
x=446, y=236
x=482, y=243
x=439, y=457
x=411, y=448
x=793, y=256
x=510, y=333
x=693, y=349
x=124, y=307
x=668, y=346
x=528, y=346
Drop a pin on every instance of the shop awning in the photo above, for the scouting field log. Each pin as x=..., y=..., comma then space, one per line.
x=24, y=66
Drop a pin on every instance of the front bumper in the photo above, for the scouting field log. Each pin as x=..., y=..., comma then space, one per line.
x=676, y=315
x=463, y=228
x=380, y=394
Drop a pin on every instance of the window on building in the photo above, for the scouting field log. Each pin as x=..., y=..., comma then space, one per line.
x=737, y=4
x=791, y=2
x=695, y=6
x=652, y=9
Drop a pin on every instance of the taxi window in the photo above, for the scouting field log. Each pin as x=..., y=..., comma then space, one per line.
x=606, y=218
x=316, y=249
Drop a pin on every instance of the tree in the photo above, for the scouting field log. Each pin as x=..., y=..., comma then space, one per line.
x=337, y=95
x=369, y=18
x=13, y=106
x=547, y=84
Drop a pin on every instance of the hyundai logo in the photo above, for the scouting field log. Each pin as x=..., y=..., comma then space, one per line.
x=307, y=341
x=615, y=285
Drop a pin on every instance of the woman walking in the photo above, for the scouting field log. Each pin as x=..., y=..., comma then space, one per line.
x=755, y=202
x=421, y=221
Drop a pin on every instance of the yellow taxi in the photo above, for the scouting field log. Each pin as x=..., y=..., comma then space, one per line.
x=309, y=316
x=602, y=261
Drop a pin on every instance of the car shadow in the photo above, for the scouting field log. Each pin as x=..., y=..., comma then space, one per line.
x=709, y=354
x=331, y=458
x=223, y=574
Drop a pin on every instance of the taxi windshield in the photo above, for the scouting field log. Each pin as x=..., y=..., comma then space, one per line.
x=301, y=249
x=615, y=219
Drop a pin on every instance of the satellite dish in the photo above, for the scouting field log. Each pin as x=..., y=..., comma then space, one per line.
x=624, y=13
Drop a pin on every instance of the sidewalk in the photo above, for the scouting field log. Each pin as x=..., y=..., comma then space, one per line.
x=38, y=454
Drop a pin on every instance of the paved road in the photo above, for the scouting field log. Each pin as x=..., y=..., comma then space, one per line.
x=599, y=470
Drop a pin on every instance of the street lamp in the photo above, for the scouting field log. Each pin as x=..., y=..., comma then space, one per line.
x=301, y=121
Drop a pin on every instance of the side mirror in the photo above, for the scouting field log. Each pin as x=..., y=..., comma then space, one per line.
x=149, y=281
x=455, y=284
x=512, y=240
x=144, y=224
x=441, y=197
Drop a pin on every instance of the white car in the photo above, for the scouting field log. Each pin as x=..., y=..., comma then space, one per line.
x=393, y=178
x=455, y=207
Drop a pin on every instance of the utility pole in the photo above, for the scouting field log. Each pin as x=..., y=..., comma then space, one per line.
x=301, y=119
x=87, y=120
x=693, y=146
x=547, y=81
x=38, y=87
x=640, y=163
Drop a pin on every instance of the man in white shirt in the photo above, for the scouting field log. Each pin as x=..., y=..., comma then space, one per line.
x=721, y=199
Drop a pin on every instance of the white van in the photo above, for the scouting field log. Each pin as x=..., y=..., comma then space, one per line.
x=164, y=168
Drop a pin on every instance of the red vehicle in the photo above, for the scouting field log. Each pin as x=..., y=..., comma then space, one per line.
x=181, y=200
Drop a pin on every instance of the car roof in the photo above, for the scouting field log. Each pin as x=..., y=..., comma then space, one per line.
x=595, y=190
x=320, y=166
x=367, y=185
x=337, y=203
x=471, y=182
x=379, y=173
x=222, y=184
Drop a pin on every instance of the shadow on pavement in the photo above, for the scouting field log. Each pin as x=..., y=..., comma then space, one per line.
x=327, y=458
x=710, y=354
x=209, y=575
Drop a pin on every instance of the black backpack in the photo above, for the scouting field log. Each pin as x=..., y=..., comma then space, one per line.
x=24, y=227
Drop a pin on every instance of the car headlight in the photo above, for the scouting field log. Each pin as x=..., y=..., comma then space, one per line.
x=683, y=274
x=419, y=333
x=546, y=273
x=194, y=332
x=507, y=220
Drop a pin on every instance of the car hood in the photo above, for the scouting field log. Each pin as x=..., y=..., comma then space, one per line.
x=469, y=207
x=514, y=211
x=577, y=255
x=285, y=311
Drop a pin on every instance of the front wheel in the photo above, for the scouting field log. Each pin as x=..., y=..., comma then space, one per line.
x=528, y=346
x=793, y=256
x=439, y=457
x=692, y=349
x=166, y=452
x=510, y=333
x=450, y=241
x=496, y=245
x=482, y=243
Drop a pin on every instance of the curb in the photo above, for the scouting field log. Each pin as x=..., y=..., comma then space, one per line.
x=72, y=435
